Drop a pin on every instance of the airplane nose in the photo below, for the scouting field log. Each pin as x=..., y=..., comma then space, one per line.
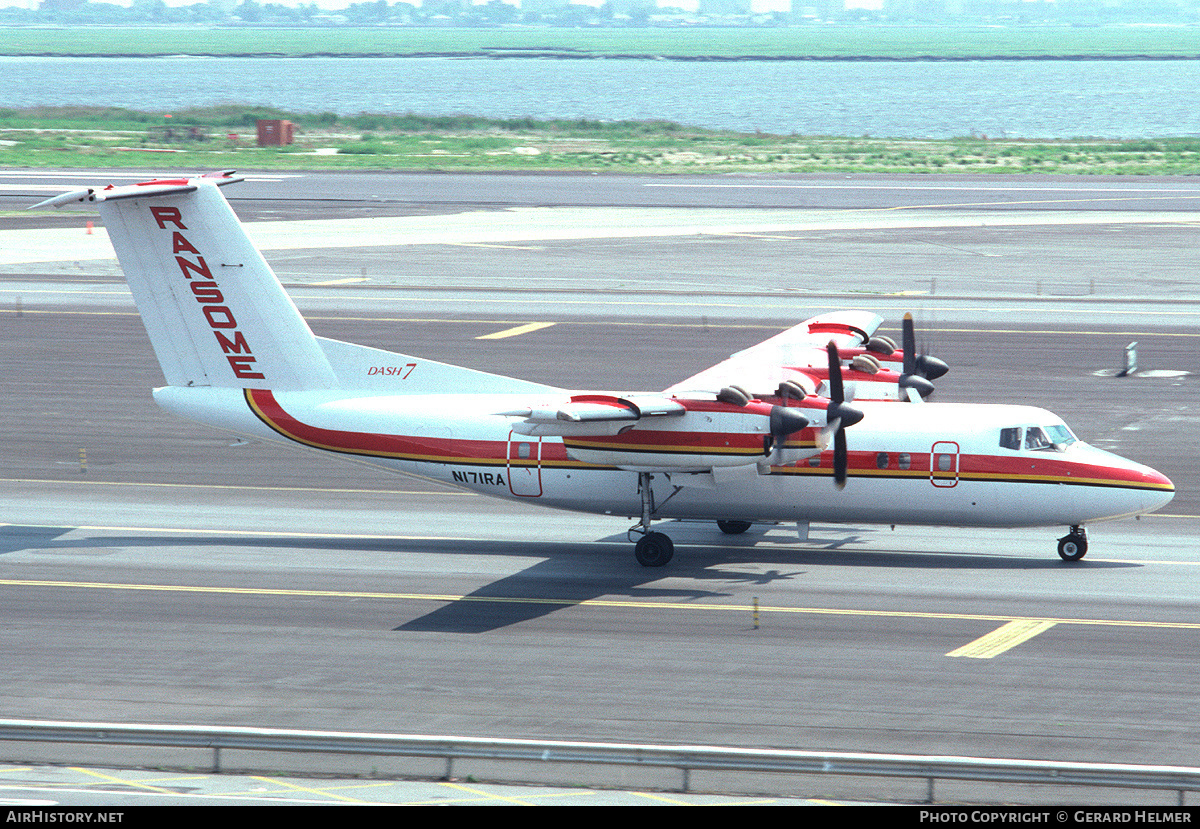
x=1131, y=488
x=1160, y=489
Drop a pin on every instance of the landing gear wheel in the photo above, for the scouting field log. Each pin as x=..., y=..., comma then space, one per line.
x=1073, y=546
x=733, y=527
x=654, y=549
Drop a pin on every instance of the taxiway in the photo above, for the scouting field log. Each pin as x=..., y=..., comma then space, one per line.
x=151, y=571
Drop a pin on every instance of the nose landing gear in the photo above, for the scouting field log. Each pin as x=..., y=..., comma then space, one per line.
x=1073, y=546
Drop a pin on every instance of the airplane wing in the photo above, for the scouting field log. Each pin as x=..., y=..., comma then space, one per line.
x=761, y=368
x=592, y=414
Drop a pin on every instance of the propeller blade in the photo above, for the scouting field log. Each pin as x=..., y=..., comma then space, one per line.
x=910, y=345
x=837, y=392
x=838, y=416
x=825, y=436
x=840, y=459
x=919, y=370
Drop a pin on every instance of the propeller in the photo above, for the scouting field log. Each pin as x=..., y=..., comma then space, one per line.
x=838, y=416
x=919, y=369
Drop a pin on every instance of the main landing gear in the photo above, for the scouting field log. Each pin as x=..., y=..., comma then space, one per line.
x=653, y=549
x=1073, y=546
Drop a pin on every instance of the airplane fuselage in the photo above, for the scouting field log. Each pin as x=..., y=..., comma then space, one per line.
x=931, y=464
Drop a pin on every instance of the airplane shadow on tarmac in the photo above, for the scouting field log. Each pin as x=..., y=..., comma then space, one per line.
x=612, y=571
x=572, y=572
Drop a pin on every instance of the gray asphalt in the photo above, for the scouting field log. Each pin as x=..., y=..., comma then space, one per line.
x=558, y=633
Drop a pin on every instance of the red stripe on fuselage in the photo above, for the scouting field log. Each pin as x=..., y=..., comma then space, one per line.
x=402, y=447
x=982, y=468
x=989, y=468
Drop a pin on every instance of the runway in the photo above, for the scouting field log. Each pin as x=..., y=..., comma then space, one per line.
x=149, y=571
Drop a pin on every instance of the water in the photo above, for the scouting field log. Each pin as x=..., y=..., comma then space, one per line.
x=1017, y=99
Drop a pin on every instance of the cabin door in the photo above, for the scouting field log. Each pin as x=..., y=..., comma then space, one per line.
x=524, y=465
x=943, y=464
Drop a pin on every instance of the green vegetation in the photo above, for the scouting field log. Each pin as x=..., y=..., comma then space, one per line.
x=224, y=138
x=796, y=42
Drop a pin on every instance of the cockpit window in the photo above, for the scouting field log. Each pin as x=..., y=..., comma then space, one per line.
x=1057, y=437
x=1061, y=435
x=1035, y=438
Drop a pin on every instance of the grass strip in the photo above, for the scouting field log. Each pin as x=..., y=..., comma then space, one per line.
x=224, y=137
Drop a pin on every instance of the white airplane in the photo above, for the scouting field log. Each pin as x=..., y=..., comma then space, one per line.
x=759, y=438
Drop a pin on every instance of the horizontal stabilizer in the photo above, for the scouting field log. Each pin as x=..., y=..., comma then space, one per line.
x=364, y=368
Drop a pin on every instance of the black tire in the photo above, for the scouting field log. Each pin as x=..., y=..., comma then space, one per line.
x=654, y=550
x=733, y=527
x=1072, y=547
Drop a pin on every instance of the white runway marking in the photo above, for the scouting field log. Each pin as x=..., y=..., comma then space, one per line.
x=529, y=224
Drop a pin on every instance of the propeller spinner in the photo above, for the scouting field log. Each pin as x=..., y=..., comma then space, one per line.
x=785, y=422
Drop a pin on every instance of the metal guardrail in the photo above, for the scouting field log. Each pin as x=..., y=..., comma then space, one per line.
x=1180, y=779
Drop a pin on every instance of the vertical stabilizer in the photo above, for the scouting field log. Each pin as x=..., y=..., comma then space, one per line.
x=215, y=312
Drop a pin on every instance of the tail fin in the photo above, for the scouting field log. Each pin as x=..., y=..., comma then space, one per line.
x=215, y=312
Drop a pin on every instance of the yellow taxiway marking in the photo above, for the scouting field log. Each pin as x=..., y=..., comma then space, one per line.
x=109, y=779
x=249, y=533
x=285, y=786
x=487, y=796
x=168, y=485
x=660, y=798
x=1003, y=638
x=608, y=603
x=517, y=331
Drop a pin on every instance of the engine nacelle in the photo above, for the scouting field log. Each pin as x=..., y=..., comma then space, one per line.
x=709, y=434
